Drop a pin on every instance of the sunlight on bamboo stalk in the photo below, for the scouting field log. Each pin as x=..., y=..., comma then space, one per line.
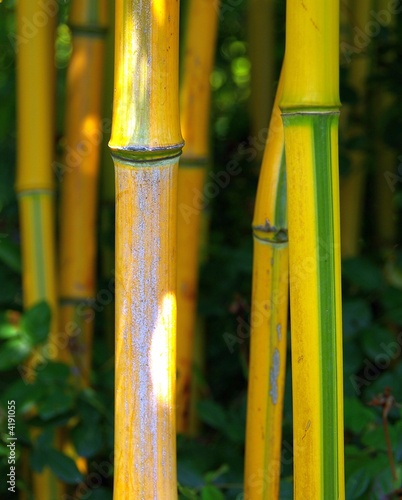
x=145, y=145
x=162, y=349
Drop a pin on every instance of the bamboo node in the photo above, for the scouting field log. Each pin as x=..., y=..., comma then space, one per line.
x=271, y=234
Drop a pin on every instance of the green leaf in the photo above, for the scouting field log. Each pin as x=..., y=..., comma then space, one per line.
x=356, y=316
x=13, y=352
x=10, y=254
x=187, y=493
x=357, y=416
x=357, y=484
x=53, y=373
x=212, y=414
x=213, y=475
x=362, y=273
x=87, y=439
x=7, y=329
x=375, y=438
x=63, y=467
x=38, y=458
x=379, y=343
x=101, y=494
x=36, y=322
x=211, y=492
x=56, y=403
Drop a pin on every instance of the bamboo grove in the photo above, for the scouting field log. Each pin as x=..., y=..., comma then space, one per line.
x=125, y=162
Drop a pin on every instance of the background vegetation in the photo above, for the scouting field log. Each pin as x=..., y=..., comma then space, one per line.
x=211, y=465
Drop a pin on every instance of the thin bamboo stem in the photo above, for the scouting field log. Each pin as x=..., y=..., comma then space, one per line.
x=34, y=184
x=310, y=105
x=107, y=195
x=145, y=144
x=261, y=49
x=79, y=185
x=386, y=156
x=352, y=186
x=269, y=310
x=202, y=17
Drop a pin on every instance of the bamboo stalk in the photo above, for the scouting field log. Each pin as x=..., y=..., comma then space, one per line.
x=386, y=156
x=352, y=186
x=34, y=183
x=107, y=196
x=261, y=49
x=310, y=107
x=198, y=387
x=79, y=185
x=269, y=309
x=202, y=17
x=145, y=144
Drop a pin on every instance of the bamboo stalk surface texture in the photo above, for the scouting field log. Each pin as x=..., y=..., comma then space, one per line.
x=146, y=143
x=269, y=312
x=310, y=109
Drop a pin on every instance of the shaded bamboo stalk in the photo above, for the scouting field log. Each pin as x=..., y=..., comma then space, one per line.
x=261, y=50
x=352, y=185
x=79, y=185
x=386, y=157
x=310, y=109
x=198, y=385
x=202, y=17
x=146, y=143
x=269, y=310
x=34, y=183
x=107, y=197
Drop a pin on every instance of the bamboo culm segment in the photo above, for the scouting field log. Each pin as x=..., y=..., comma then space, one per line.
x=34, y=183
x=315, y=299
x=352, y=185
x=146, y=142
x=195, y=94
x=269, y=311
x=310, y=110
x=79, y=183
x=145, y=438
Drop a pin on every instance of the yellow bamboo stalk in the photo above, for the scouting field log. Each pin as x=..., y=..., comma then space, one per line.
x=202, y=18
x=145, y=143
x=352, y=185
x=310, y=109
x=34, y=183
x=83, y=136
x=261, y=49
x=269, y=310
